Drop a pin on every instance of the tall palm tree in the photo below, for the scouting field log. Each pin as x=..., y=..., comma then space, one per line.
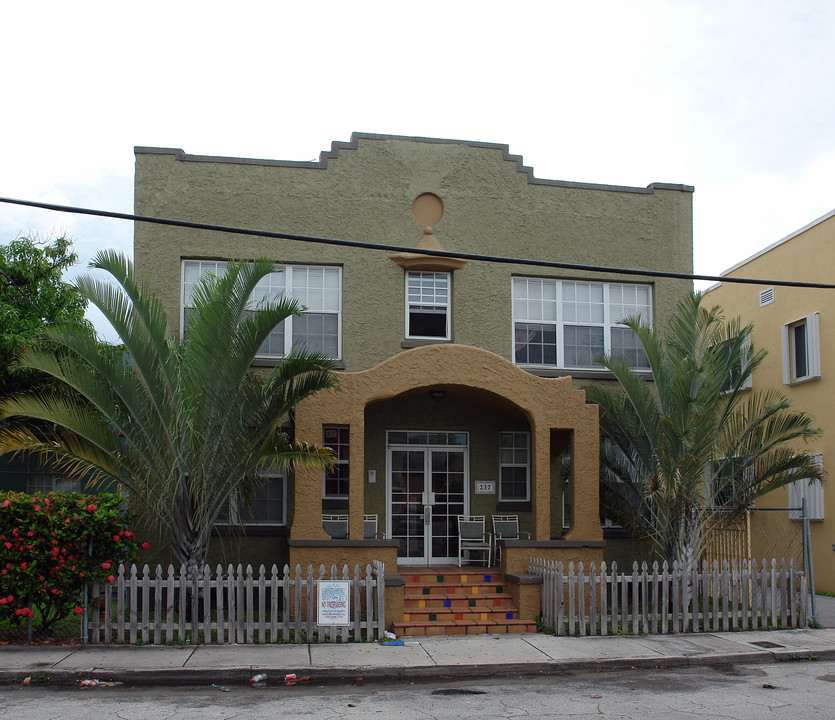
x=686, y=455
x=182, y=426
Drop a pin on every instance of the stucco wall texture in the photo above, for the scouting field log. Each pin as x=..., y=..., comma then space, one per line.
x=363, y=191
x=807, y=255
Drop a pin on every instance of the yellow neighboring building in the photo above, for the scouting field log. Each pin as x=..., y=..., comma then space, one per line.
x=795, y=326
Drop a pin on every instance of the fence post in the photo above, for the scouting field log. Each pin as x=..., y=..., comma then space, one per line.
x=807, y=556
x=604, y=605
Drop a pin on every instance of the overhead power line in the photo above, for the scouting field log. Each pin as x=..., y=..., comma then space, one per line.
x=398, y=248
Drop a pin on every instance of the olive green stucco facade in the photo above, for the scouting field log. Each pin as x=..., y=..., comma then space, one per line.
x=363, y=191
x=493, y=205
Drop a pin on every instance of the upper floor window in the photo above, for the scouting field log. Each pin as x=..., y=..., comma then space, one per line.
x=738, y=367
x=318, y=288
x=569, y=324
x=801, y=350
x=427, y=305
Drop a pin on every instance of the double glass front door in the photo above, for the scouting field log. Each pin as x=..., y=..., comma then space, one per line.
x=427, y=489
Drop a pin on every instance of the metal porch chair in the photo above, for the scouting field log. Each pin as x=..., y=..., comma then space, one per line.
x=505, y=527
x=336, y=526
x=472, y=536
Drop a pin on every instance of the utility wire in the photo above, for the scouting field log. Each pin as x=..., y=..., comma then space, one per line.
x=398, y=248
x=11, y=283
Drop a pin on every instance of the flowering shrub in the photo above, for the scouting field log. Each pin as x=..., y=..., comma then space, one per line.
x=50, y=545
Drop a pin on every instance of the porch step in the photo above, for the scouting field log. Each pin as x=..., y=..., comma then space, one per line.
x=458, y=601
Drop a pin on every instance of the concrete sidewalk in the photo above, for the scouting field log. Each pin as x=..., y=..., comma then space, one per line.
x=430, y=658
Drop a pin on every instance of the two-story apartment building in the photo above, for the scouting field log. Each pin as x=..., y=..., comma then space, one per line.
x=794, y=325
x=461, y=381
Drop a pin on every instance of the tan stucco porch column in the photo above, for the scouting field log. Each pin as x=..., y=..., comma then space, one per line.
x=540, y=479
x=356, y=474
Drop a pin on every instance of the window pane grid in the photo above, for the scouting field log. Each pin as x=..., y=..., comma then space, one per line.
x=427, y=305
x=514, y=463
x=316, y=288
x=570, y=324
x=336, y=479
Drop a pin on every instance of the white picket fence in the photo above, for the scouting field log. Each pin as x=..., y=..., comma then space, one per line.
x=234, y=606
x=735, y=596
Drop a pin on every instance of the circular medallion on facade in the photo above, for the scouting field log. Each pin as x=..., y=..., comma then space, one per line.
x=428, y=208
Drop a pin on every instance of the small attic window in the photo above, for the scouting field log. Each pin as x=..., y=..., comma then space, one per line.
x=766, y=296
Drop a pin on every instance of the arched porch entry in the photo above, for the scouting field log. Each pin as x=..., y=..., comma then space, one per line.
x=446, y=407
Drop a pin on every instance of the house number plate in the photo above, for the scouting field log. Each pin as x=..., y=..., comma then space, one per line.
x=485, y=487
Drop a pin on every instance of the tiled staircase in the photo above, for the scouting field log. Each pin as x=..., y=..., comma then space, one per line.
x=457, y=601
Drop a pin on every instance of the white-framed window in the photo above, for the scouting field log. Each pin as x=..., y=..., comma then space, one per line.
x=569, y=324
x=807, y=490
x=736, y=370
x=514, y=466
x=52, y=482
x=268, y=507
x=801, y=350
x=428, y=305
x=335, y=480
x=317, y=287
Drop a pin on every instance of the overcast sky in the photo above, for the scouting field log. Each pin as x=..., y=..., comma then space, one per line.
x=733, y=97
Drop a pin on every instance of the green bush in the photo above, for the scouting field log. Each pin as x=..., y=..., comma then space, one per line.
x=50, y=545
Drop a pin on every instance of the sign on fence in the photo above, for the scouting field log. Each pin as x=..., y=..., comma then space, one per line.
x=334, y=603
x=238, y=605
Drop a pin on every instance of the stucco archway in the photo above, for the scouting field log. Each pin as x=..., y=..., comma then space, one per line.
x=547, y=403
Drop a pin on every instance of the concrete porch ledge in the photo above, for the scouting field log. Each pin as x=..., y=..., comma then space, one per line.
x=523, y=579
x=341, y=543
x=538, y=544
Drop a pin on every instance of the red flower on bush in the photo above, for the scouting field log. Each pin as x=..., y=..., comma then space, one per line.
x=25, y=612
x=78, y=611
x=144, y=546
x=110, y=578
x=106, y=566
x=91, y=508
x=24, y=565
x=6, y=503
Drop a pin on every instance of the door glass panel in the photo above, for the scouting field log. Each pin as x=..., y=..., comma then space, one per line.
x=448, y=487
x=407, y=486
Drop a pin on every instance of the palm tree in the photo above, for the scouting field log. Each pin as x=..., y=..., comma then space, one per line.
x=182, y=426
x=683, y=457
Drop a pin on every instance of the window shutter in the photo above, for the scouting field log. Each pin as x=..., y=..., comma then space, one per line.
x=813, y=343
x=811, y=491
x=787, y=355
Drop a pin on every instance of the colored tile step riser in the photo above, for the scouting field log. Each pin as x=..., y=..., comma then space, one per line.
x=498, y=629
x=444, y=617
x=463, y=602
x=425, y=579
x=458, y=602
x=412, y=590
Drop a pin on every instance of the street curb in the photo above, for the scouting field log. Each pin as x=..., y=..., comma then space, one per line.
x=239, y=676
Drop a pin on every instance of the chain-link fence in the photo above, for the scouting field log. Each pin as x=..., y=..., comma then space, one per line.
x=763, y=532
x=32, y=630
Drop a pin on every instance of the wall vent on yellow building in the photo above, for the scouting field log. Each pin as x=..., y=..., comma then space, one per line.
x=766, y=296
